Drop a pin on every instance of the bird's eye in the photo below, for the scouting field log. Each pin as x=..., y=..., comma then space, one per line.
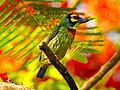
x=75, y=17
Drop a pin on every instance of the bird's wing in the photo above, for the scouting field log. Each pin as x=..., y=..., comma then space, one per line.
x=49, y=38
x=53, y=34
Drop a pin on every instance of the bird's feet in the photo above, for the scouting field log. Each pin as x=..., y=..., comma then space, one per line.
x=56, y=57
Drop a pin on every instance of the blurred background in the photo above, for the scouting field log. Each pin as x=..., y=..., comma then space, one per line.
x=25, y=23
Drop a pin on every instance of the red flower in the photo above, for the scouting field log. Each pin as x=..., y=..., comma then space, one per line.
x=114, y=80
x=4, y=77
x=64, y=4
x=82, y=70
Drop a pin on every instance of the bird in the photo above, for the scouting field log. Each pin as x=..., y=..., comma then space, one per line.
x=60, y=39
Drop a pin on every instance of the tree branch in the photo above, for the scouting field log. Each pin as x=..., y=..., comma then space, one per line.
x=12, y=86
x=103, y=70
x=58, y=66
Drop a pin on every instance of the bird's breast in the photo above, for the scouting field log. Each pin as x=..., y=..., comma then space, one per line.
x=60, y=44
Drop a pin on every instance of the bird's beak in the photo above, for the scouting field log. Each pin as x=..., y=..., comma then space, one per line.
x=86, y=19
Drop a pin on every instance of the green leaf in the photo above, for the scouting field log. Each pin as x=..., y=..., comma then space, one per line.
x=91, y=50
x=79, y=57
x=75, y=53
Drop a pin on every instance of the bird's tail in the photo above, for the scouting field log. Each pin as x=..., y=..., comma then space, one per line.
x=42, y=71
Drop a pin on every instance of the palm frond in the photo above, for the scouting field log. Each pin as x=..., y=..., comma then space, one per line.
x=25, y=23
x=21, y=29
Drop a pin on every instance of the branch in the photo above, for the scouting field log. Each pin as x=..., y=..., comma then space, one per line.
x=103, y=70
x=58, y=66
x=12, y=86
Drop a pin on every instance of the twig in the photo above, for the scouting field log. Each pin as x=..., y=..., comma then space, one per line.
x=58, y=66
x=103, y=70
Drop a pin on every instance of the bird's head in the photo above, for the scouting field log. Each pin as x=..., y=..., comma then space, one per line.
x=74, y=18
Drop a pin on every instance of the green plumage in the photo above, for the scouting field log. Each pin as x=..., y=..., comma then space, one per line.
x=60, y=40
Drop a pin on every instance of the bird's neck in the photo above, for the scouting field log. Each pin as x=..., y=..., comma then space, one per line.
x=72, y=31
x=70, y=27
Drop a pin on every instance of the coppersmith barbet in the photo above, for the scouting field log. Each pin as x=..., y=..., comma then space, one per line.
x=60, y=39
